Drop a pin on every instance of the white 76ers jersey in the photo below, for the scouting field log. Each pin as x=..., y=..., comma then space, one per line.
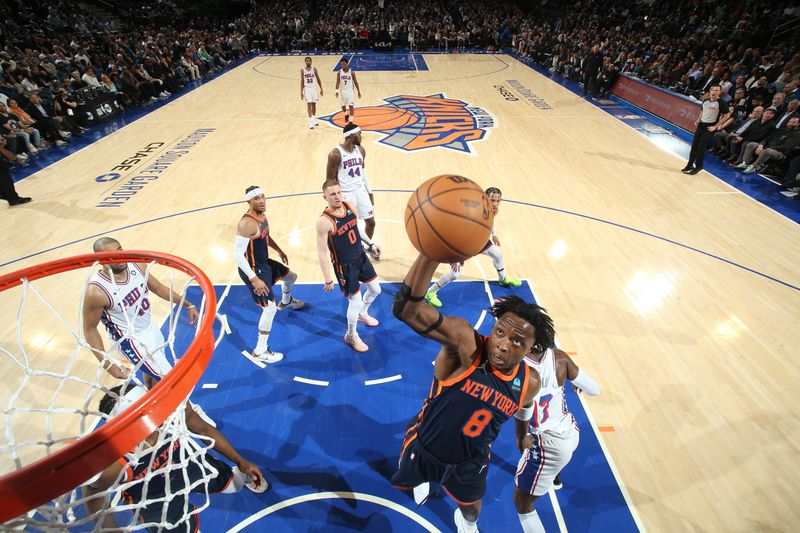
x=346, y=81
x=309, y=79
x=550, y=413
x=351, y=169
x=129, y=307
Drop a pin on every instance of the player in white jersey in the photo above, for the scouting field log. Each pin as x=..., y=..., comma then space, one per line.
x=547, y=434
x=117, y=296
x=346, y=87
x=346, y=165
x=492, y=249
x=309, y=81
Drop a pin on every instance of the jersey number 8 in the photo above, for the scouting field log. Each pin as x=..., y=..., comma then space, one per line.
x=476, y=424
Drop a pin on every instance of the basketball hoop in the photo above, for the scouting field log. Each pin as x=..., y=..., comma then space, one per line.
x=61, y=471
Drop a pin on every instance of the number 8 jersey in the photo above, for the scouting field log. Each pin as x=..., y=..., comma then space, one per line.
x=463, y=415
x=351, y=169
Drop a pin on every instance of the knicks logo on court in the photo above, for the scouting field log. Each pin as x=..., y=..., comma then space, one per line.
x=420, y=122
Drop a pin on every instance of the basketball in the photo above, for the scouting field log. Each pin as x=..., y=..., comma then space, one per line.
x=449, y=218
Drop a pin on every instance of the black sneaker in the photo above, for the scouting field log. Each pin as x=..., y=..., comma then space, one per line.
x=686, y=169
x=19, y=201
x=557, y=485
x=694, y=171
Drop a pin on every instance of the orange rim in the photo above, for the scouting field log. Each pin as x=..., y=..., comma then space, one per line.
x=62, y=471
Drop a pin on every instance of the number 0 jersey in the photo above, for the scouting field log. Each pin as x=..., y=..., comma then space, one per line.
x=551, y=414
x=345, y=242
x=351, y=169
x=463, y=415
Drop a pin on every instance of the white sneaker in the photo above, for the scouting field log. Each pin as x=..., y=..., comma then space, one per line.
x=268, y=356
x=33, y=150
x=263, y=487
x=64, y=134
x=421, y=492
x=293, y=304
x=60, y=143
x=202, y=414
x=461, y=523
x=355, y=342
x=316, y=122
x=368, y=320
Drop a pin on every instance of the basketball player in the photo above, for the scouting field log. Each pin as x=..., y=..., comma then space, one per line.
x=259, y=273
x=154, y=489
x=346, y=165
x=339, y=237
x=345, y=82
x=549, y=439
x=478, y=384
x=492, y=249
x=117, y=296
x=309, y=81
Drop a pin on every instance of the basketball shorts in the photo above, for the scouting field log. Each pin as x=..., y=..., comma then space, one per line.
x=486, y=247
x=540, y=463
x=351, y=273
x=147, y=347
x=360, y=199
x=347, y=98
x=465, y=482
x=270, y=273
x=310, y=95
x=175, y=512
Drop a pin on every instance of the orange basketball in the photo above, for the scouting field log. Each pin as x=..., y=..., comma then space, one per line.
x=379, y=118
x=449, y=218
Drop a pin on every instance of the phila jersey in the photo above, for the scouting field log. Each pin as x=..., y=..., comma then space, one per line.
x=257, y=251
x=346, y=81
x=463, y=415
x=309, y=79
x=351, y=169
x=551, y=414
x=345, y=242
x=129, y=305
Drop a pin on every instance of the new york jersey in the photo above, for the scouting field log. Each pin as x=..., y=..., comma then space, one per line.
x=257, y=251
x=551, y=414
x=345, y=242
x=463, y=415
x=129, y=306
x=351, y=169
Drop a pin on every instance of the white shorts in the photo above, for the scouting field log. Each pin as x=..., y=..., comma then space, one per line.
x=147, y=347
x=540, y=463
x=360, y=199
x=310, y=95
x=347, y=98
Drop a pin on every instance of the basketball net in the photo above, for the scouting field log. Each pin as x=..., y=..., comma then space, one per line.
x=51, y=401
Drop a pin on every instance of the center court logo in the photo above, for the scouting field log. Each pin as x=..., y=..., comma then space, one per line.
x=414, y=123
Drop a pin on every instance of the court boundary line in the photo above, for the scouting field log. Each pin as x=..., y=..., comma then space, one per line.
x=610, y=460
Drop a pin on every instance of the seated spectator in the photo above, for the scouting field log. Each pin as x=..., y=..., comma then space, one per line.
x=791, y=111
x=13, y=127
x=90, y=79
x=754, y=133
x=42, y=115
x=76, y=82
x=733, y=129
x=776, y=147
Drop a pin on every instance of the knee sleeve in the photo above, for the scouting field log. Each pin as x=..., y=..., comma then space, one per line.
x=267, y=316
x=497, y=257
x=354, y=304
x=372, y=292
x=288, y=280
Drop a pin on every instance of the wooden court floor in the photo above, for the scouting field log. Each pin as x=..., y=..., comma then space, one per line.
x=678, y=293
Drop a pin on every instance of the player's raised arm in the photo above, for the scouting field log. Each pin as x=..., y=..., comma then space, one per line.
x=582, y=381
x=324, y=227
x=165, y=293
x=332, y=170
x=453, y=333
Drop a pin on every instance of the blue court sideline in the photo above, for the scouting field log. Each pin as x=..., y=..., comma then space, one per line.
x=344, y=437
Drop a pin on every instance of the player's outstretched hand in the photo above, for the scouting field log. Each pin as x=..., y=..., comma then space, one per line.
x=117, y=370
x=377, y=251
x=327, y=286
x=194, y=316
x=527, y=442
x=251, y=470
x=284, y=258
x=259, y=287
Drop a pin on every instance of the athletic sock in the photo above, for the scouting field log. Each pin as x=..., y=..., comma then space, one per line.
x=531, y=522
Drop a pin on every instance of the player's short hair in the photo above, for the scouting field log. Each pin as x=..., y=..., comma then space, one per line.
x=535, y=315
x=307, y=57
x=109, y=401
x=350, y=126
x=329, y=183
x=715, y=85
x=345, y=60
x=493, y=190
x=102, y=242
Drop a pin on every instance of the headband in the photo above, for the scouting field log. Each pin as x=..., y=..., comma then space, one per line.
x=352, y=132
x=252, y=194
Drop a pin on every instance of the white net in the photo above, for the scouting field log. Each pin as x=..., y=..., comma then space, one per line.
x=53, y=384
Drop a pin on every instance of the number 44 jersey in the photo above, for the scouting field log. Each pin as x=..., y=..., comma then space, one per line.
x=351, y=169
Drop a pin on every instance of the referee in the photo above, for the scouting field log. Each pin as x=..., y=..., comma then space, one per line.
x=714, y=111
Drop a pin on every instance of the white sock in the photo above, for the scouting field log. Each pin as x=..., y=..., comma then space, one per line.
x=238, y=481
x=287, y=286
x=265, y=326
x=497, y=259
x=354, y=306
x=372, y=292
x=531, y=523
x=447, y=277
x=466, y=525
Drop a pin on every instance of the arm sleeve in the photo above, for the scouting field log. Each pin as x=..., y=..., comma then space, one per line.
x=584, y=382
x=362, y=230
x=366, y=182
x=239, y=248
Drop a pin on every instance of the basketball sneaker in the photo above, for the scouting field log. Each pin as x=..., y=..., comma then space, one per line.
x=461, y=523
x=433, y=299
x=268, y=356
x=262, y=487
x=293, y=304
x=510, y=282
x=368, y=320
x=355, y=342
x=557, y=485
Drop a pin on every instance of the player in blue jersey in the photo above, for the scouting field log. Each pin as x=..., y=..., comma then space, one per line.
x=339, y=241
x=478, y=384
x=259, y=273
